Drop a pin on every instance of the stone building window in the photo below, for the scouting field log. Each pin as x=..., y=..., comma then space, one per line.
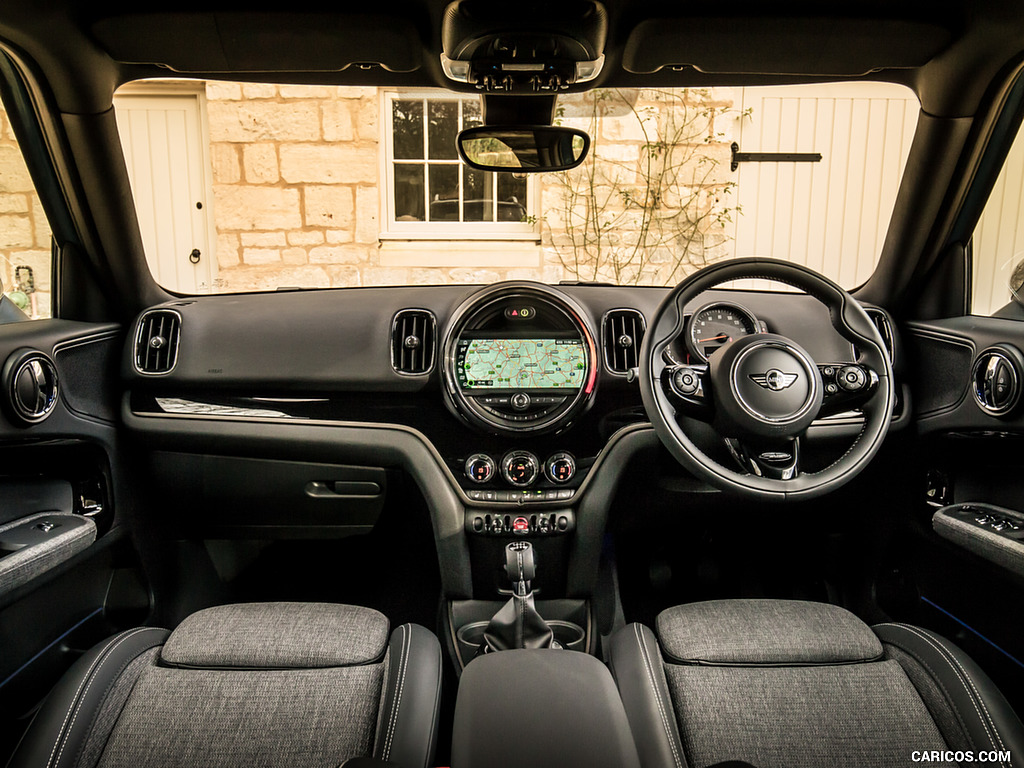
x=428, y=192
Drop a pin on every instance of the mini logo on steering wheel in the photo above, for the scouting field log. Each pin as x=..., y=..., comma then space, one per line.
x=775, y=380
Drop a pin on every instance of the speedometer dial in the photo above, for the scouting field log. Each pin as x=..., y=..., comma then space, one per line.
x=714, y=325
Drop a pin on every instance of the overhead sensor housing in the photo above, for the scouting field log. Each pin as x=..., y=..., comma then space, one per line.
x=544, y=48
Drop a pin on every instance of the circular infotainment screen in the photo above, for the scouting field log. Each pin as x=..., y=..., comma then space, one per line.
x=519, y=357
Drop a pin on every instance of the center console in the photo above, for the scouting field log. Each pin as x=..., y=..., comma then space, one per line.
x=540, y=707
x=519, y=365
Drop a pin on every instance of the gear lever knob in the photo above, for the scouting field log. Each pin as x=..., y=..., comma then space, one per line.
x=520, y=565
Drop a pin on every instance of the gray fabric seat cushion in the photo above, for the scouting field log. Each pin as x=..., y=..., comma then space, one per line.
x=232, y=718
x=855, y=715
x=782, y=632
x=257, y=684
x=278, y=636
x=272, y=684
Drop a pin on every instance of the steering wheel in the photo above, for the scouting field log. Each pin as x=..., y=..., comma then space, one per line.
x=761, y=392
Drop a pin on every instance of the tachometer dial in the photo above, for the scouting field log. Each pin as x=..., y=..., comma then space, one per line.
x=714, y=325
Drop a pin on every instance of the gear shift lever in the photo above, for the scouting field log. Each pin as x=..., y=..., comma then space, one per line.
x=517, y=624
x=520, y=566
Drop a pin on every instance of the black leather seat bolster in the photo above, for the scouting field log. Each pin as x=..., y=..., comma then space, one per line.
x=410, y=699
x=62, y=725
x=636, y=664
x=984, y=715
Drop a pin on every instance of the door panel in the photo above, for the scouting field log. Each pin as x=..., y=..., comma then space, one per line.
x=69, y=575
x=954, y=581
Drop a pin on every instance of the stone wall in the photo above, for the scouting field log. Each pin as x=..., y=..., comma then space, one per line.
x=24, y=231
x=297, y=196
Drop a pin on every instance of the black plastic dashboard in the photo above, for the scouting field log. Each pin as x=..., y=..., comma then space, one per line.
x=281, y=414
x=524, y=423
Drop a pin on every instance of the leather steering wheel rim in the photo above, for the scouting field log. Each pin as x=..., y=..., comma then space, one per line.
x=848, y=318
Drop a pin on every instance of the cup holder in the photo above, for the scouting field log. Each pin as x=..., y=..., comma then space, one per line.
x=569, y=635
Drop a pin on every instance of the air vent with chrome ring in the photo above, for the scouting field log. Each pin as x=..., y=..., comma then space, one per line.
x=996, y=381
x=30, y=386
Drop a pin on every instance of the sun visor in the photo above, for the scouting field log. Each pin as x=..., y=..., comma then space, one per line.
x=261, y=42
x=795, y=46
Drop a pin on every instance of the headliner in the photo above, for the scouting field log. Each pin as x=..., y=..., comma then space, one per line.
x=948, y=51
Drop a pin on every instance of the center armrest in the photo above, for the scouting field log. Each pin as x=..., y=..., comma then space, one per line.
x=540, y=707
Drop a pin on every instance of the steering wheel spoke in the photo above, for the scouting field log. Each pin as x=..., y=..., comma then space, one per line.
x=846, y=386
x=775, y=459
x=688, y=388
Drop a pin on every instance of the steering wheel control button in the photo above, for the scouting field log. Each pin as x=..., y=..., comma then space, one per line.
x=520, y=468
x=852, y=378
x=560, y=468
x=480, y=468
x=520, y=401
x=685, y=381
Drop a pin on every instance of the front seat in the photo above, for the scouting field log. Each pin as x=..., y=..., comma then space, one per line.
x=257, y=684
x=788, y=683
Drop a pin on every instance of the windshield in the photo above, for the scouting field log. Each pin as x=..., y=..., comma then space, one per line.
x=249, y=187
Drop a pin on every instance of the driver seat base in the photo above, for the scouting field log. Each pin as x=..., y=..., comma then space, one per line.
x=792, y=683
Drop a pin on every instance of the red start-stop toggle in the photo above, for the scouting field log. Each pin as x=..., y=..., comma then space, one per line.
x=521, y=525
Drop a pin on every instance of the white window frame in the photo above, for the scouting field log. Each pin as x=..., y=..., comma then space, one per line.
x=442, y=230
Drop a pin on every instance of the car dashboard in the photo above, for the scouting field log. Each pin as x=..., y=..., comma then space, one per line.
x=517, y=391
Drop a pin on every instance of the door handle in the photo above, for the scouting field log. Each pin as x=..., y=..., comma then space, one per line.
x=342, y=488
x=195, y=256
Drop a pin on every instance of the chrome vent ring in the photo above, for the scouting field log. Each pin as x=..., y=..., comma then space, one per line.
x=31, y=386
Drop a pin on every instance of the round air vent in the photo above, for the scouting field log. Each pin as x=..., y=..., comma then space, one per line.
x=30, y=386
x=996, y=381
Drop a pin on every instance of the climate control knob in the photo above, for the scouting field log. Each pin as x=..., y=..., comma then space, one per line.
x=520, y=468
x=560, y=467
x=480, y=468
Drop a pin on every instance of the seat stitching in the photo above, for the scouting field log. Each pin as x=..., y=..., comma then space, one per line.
x=966, y=678
x=85, y=693
x=972, y=692
x=76, y=701
x=74, y=698
x=913, y=631
x=391, y=717
x=934, y=676
x=657, y=698
x=403, y=665
x=407, y=652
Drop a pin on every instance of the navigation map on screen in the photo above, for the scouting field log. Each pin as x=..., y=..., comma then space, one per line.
x=520, y=363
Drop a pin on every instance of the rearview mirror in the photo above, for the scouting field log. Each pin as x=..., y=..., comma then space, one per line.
x=523, y=149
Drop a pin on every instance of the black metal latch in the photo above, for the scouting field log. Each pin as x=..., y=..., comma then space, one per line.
x=771, y=157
